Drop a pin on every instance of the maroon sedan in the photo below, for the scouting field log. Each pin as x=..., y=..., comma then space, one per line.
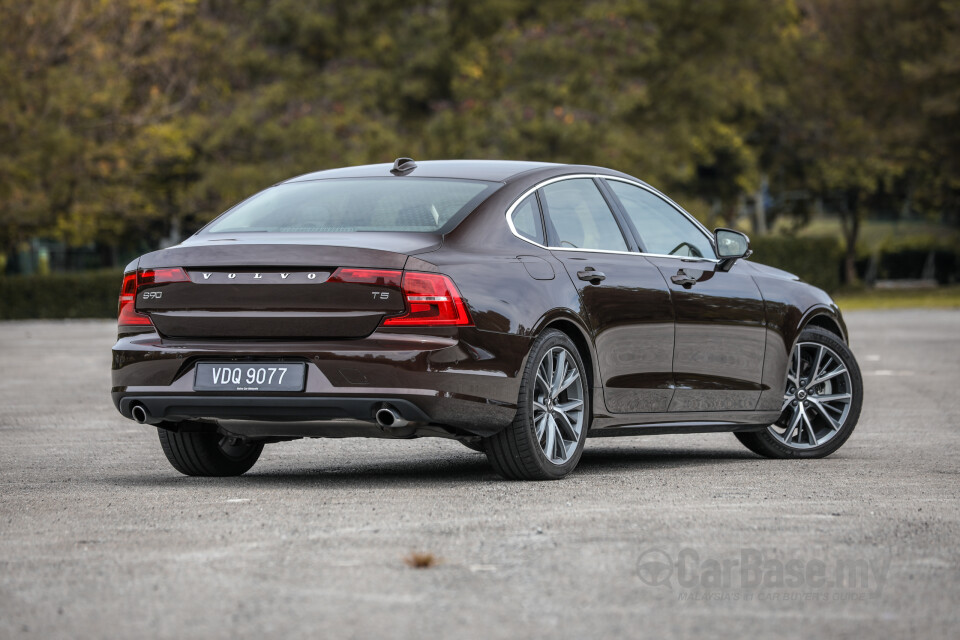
x=518, y=307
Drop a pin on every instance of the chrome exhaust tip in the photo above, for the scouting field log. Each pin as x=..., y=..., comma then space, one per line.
x=388, y=418
x=139, y=414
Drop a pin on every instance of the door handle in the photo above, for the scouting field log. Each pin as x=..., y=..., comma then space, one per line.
x=591, y=275
x=684, y=279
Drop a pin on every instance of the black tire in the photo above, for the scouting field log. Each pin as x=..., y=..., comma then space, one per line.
x=207, y=454
x=765, y=444
x=516, y=452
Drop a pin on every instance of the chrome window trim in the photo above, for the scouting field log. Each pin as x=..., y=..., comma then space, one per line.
x=526, y=194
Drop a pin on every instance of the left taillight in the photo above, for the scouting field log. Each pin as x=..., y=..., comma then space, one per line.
x=127, y=315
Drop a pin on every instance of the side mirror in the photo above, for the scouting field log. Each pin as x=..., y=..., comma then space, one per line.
x=731, y=246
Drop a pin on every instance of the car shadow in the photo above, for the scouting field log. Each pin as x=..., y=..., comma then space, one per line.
x=602, y=459
x=455, y=469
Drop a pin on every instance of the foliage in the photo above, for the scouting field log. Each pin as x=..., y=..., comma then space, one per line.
x=88, y=294
x=124, y=121
x=821, y=260
x=815, y=260
x=853, y=129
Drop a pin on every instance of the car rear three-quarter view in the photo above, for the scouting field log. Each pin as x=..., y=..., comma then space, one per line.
x=518, y=307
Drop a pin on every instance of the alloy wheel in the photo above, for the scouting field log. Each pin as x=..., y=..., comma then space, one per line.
x=558, y=405
x=817, y=399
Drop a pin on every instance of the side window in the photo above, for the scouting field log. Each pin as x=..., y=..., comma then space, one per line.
x=581, y=217
x=662, y=228
x=526, y=219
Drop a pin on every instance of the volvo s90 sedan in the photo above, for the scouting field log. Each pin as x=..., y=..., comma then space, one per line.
x=518, y=307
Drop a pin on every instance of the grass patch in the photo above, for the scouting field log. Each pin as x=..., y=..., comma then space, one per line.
x=941, y=297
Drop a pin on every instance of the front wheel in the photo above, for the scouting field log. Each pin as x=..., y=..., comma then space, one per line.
x=546, y=438
x=821, y=402
x=208, y=454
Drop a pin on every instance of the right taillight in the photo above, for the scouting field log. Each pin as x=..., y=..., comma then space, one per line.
x=432, y=301
x=148, y=277
x=126, y=313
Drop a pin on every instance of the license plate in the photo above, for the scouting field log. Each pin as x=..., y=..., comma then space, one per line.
x=250, y=377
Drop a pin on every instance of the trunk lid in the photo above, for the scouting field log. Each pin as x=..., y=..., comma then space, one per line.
x=250, y=286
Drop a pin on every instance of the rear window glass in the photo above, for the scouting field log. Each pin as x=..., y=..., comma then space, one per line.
x=581, y=217
x=357, y=204
x=526, y=220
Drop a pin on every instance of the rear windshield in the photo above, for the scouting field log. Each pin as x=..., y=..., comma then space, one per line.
x=356, y=204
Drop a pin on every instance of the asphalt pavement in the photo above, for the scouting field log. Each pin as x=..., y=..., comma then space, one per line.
x=654, y=536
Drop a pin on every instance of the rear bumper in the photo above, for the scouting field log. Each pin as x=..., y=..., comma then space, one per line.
x=176, y=408
x=464, y=381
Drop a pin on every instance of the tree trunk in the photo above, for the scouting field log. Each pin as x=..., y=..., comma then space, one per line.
x=850, y=222
x=850, y=263
x=759, y=209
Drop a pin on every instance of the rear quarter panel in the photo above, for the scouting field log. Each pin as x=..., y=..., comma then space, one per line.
x=512, y=288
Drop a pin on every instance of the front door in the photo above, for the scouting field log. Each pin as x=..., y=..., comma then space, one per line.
x=720, y=324
x=720, y=336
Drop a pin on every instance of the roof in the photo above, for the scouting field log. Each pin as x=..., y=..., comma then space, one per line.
x=490, y=170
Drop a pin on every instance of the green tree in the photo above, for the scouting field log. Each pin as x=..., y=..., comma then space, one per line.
x=852, y=131
x=932, y=68
x=124, y=121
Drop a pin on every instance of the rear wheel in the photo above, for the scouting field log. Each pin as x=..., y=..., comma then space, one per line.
x=821, y=402
x=208, y=454
x=546, y=439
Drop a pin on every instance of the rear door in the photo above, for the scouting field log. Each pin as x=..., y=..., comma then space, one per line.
x=623, y=297
x=720, y=323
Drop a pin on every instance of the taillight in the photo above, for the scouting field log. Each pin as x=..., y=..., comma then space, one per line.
x=380, y=277
x=126, y=314
x=132, y=283
x=432, y=301
x=161, y=276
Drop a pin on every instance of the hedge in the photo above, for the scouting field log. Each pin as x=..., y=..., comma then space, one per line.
x=817, y=260
x=93, y=294
x=84, y=294
x=910, y=257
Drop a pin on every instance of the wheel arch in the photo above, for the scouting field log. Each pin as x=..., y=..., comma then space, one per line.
x=575, y=330
x=579, y=339
x=825, y=318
